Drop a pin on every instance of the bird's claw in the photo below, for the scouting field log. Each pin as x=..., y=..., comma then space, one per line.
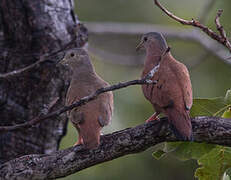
x=154, y=117
x=79, y=142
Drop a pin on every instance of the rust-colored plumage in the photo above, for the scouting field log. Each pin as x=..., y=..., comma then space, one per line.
x=172, y=94
x=91, y=117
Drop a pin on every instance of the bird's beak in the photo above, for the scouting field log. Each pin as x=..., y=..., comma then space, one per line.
x=140, y=45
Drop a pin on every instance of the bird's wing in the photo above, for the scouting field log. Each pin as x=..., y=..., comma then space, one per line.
x=106, y=107
x=185, y=83
x=165, y=91
x=105, y=103
x=102, y=105
x=76, y=117
x=74, y=94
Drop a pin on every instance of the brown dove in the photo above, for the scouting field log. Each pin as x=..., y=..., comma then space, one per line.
x=172, y=94
x=90, y=118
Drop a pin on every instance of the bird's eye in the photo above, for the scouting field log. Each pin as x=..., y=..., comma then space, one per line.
x=145, y=38
x=72, y=54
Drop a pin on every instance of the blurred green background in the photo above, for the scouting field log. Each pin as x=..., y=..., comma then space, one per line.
x=210, y=78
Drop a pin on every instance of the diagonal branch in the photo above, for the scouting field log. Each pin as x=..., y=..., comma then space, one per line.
x=128, y=141
x=208, y=31
x=218, y=24
x=86, y=99
x=81, y=102
x=19, y=71
x=37, y=63
x=220, y=27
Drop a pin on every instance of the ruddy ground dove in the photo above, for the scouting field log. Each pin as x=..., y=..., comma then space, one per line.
x=172, y=94
x=91, y=117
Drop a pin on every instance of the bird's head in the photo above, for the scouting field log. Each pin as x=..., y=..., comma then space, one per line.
x=75, y=58
x=153, y=41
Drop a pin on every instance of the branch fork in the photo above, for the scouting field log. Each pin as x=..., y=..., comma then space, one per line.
x=221, y=37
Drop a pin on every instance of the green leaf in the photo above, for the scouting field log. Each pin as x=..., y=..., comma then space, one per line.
x=201, y=107
x=213, y=159
x=188, y=150
x=158, y=154
x=218, y=160
x=208, y=107
x=227, y=113
x=214, y=164
x=184, y=150
x=171, y=146
x=211, y=107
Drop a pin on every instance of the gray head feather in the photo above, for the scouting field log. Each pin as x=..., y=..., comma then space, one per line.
x=157, y=36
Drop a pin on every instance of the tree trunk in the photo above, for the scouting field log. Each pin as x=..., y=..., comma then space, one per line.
x=31, y=29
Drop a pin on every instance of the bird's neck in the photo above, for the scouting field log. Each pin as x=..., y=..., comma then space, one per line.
x=82, y=73
x=153, y=57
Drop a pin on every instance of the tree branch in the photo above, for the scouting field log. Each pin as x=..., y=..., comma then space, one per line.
x=128, y=141
x=19, y=71
x=81, y=102
x=220, y=27
x=208, y=31
x=36, y=64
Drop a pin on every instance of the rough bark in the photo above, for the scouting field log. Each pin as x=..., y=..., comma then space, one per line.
x=127, y=141
x=30, y=29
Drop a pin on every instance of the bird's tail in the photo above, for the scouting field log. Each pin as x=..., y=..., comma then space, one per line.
x=91, y=137
x=180, y=124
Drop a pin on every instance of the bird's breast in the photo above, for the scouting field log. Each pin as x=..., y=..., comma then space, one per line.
x=150, y=90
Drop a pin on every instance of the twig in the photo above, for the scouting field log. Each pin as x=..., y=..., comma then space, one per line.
x=15, y=72
x=81, y=102
x=197, y=24
x=37, y=63
x=218, y=24
x=220, y=27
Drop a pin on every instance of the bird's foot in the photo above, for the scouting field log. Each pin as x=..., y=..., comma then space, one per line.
x=79, y=142
x=153, y=118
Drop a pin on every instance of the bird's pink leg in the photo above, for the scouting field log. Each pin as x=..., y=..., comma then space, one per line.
x=153, y=117
x=80, y=141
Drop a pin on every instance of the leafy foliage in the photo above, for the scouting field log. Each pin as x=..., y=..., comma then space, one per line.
x=227, y=113
x=214, y=164
x=188, y=150
x=208, y=107
x=214, y=160
x=158, y=154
